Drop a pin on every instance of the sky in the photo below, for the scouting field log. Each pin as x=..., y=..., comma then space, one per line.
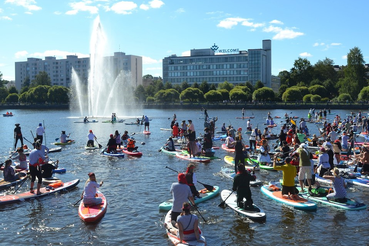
x=155, y=29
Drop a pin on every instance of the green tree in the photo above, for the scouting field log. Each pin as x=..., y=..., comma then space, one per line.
x=150, y=90
x=140, y=93
x=148, y=76
x=315, y=98
x=316, y=82
x=250, y=86
x=364, y=94
x=318, y=90
x=213, y=87
x=355, y=70
x=26, y=82
x=192, y=95
x=24, y=89
x=263, y=94
x=281, y=90
x=331, y=88
x=169, y=95
x=344, y=97
x=324, y=70
x=226, y=86
x=307, y=98
x=167, y=86
x=285, y=77
x=150, y=99
x=184, y=85
x=3, y=93
x=38, y=94
x=204, y=87
x=12, y=98
x=292, y=94
x=58, y=94
x=195, y=85
x=237, y=94
x=302, y=71
x=213, y=96
x=258, y=85
x=158, y=85
x=42, y=78
x=178, y=88
x=348, y=85
x=13, y=90
x=225, y=94
x=23, y=98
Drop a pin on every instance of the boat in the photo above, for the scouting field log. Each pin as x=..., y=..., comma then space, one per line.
x=94, y=213
x=229, y=173
x=204, y=193
x=173, y=237
x=224, y=146
x=248, y=164
x=146, y=132
x=255, y=213
x=45, y=192
x=69, y=142
x=274, y=192
x=134, y=153
x=8, y=115
x=6, y=184
x=90, y=121
x=195, y=158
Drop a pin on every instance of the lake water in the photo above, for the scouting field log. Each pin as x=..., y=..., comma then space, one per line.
x=135, y=187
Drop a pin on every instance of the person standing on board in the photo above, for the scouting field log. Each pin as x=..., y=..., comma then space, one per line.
x=243, y=113
x=191, y=180
x=40, y=131
x=147, y=123
x=17, y=135
x=36, y=158
x=304, y=166
x=91, y=137
x=181, y=193
x=118, y=140
x=89, y=193
x=241, y=184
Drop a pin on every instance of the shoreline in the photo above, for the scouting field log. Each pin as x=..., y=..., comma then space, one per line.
x=278, y=105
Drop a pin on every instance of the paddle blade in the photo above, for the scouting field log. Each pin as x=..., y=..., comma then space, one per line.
x=100, y=146
x=222, y=204
x=293, y=122
x=208, y=187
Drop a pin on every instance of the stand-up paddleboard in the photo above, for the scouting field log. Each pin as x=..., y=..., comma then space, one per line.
x=115, y=121
x=255, y=213
x=134, y=153
x=170, y=152
x=268, y=166
x=90, y=121
x=347, y=203
x=275, y=193
x=146, y=132
x=204, y=193
x=224, y=146
x=230, y=161
x=246, y=117
x=202, y=155
x=93, y=213
x=173, y=237
x=121, y=155
x=69, y=142
x=229, y=173
x=51, y=180
x=28, y=195
x=195, y=159
x=60, y=170
x=91, y=147
x=6, y=184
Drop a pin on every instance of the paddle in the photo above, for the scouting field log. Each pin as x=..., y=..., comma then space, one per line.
x=78, y=201
x=32, y=134
x=222, y=203
x=194, y=205
x=23, y=181
x=208, y=187
x=27, y=140
x=100, y=146
x=44, y=131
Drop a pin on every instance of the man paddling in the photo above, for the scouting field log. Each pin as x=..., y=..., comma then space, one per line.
x=17, y=135
x=241, y=184
x=36, y=158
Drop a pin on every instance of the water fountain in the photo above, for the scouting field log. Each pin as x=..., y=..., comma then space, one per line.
x=107, y=90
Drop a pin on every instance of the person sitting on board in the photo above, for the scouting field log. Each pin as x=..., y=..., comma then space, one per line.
x=224, y=129
x=170, y=145
x=147, y=123
x=91, y=137
x=63, y=137
x=264, y=157
x=112, y=145
x=85, y=120
x=131, y=145
x=241, y=184
x=289, y=174
x=181, y=193
x=339, y=185
x=188, y=226
x=191, y=180
x=271, y=122
x=229, y=142
x=89, y=193
x=364, y=159
x=9, y=172
x=323, y=162
x=48, y=168
x=22, y=159
x=36, y=158
x=118, y=139
x=125, y=138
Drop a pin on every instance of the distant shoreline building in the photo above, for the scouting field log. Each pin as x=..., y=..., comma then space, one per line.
x=235, y=67
x=60, y=70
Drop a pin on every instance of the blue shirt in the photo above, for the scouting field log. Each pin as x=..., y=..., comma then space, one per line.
x=35, y=155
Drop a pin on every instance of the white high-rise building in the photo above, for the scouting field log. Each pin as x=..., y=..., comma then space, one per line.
x=60, y=70
x=232, y=65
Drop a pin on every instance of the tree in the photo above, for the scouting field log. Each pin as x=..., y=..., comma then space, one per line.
x=140, y=93
x=148, y=76
x=213, y=87
x=150, y=90
x=24, y=89
x=281, y=90
x=225, y=94
x=355, y=70
x=184, y=85
x=204, y=87
x=344, y=97
x=237, y=94
x=26, y=82
x=284, y=76
x=158, y=85
x=316, y=82
x=58, y=94
x=42, y=78
x=226, y=86
x=167, y=86
x=178, y=88
x=3, y=93
x=263, y=94
x=12, y=98
x=315, y=98
x=348, y=85
x=192, y=95
x=195, y=85
x=38, y=94
x=213, y=96
x=23, y=98
x=250, y=86
x=307, y=98
x=292, y=94
x=318, y=90
x=302, y=71
x=258, y=85
x=364, y=94
x=330, y=87
x=169, y=95
x=13, y=90
x=324, y=70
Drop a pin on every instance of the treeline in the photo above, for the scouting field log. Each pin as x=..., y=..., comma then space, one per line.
x=38, y=90
x=304, y=82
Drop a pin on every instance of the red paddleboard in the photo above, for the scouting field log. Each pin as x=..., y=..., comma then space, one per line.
x=132, y=153
x=93, y=213
x=228, y=149
x=146, y=132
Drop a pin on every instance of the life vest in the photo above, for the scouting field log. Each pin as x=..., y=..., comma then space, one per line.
x=57, y=184
x=189, y=179
x=131, y=143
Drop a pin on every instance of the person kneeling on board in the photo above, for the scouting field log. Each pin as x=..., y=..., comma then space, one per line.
x=89, y=193
x=131, y=144
x=289, y=174
x=48, y=168
x=241, y=184
x=112, y=144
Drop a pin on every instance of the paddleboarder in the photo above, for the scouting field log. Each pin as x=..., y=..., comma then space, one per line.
x=289, y=174
x=36, y=158
x=241, y=184
x=40, y=131
x=191, y=180
x=17, y=135
x=89, y=193
x=9, y=172
x=91, y=137
x=147, y=123
x=181, y=193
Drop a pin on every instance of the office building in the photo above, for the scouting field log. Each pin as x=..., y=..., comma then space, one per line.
x=60, y=70
x=216, y=66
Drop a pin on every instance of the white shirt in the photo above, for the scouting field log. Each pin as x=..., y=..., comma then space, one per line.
x=40, y=131
x=90, y=189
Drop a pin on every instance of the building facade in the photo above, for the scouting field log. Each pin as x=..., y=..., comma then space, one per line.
x=206, y=65
x=60, y=70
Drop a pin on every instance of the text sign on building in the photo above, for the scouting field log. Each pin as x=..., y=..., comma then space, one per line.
x=215, y=48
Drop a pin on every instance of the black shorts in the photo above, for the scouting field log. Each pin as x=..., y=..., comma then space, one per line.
x=174, y=215
x=289, y=189
x=147, y=123
x=365, y=168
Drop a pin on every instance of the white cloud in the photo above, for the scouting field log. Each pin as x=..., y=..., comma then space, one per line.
x=276, y=22
x=144, y=7
x=318, y=44
x=2, y=64
x=153, y=68
x=344, y=57
x=155, y=4
x=28, y=13
x=148, y=60
x=21, y=54
x=336, y=44
x=282, y=33
x=81, y=6
x=180, y=10
x=28, y=4
x=5, y=18
x=1, y=10
x=306, y=54
x=57, y=13
x=123, y=7
x=230, y=22
x=186, y=53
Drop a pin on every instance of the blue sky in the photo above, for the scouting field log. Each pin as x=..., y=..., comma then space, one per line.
x=156, y=29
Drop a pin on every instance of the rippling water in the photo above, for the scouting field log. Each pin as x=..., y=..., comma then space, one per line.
x=135, y=187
